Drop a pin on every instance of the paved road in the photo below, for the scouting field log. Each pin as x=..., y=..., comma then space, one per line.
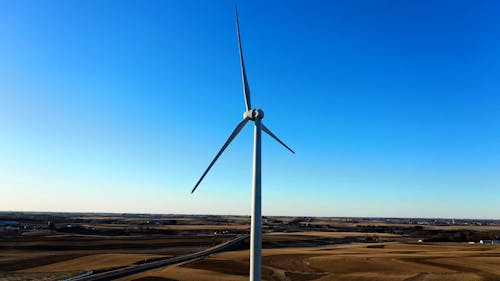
x=122, y=272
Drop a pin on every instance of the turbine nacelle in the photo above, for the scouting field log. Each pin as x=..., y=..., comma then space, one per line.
x=253, y=114
x=250, y=115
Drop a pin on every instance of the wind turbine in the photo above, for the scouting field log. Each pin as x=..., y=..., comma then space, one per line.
x=255, y=115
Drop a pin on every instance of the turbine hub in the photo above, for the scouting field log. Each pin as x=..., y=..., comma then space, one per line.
x=253, y=114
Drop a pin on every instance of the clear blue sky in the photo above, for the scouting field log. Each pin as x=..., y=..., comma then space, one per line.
x=393, y=107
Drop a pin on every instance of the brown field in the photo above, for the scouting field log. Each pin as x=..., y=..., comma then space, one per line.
x=94, y=262
x=180, y=227
x=381, y=261
x=204, y=227
x=336, y=234
x=460, y=227
x=299, y=248
x=56, y=257
x=440, y=227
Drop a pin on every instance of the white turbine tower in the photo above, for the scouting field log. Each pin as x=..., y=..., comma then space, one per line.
x=255, y=115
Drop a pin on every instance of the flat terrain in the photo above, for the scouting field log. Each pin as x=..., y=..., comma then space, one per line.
x=93, y=262
x=53, y=257
x=381, y=261
x=56, y=246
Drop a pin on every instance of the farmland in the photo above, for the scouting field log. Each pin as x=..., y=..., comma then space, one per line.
x=55, y=246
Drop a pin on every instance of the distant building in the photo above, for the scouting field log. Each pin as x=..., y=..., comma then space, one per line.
x=497, y=242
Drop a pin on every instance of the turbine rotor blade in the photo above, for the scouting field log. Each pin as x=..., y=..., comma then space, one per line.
x=236, y=131
x=246, y=88
x=265, y=129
